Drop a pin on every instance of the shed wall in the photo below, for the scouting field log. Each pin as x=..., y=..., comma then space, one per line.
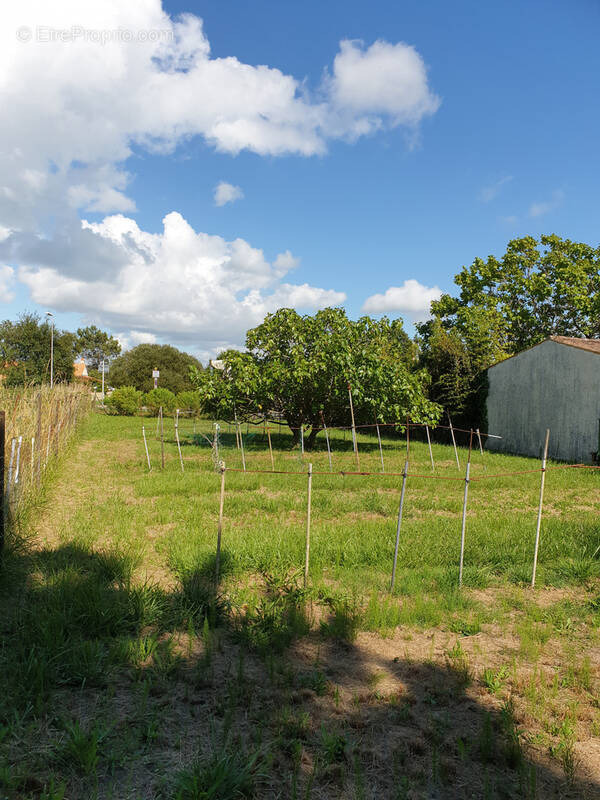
x=550, y=386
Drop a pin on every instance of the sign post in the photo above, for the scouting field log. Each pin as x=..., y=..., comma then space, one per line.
x=156, y=376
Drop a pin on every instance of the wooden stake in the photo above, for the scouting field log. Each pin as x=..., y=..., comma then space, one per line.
x=38, y=466
x=430, y=450
x=146, y=446
x=177, y=439
x=354, y=440
x=399, y=525
x=464, y=514
x=380, y=447
x=242, y=447
x=270, y=447
x=539, y=515
x=162, y=439
x=308, y=505
x=2, y=494
x=327, y=440
x=454, y=443
x=220, y=526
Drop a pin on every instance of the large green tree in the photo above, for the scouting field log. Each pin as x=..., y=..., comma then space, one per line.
x=538, y=288
x=135, y=366
x=300, y=367
x=95, y=345
x=25, y=351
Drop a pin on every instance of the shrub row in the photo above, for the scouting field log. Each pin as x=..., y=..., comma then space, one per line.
x=127, y=401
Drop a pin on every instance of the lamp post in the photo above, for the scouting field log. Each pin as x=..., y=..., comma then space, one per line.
x=50, y=314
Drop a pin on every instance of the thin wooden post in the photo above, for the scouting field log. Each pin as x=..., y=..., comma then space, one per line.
x=38, y=466
x=480, y=448
x=539, y=515
x=220, y=525
x=2, y=497
x=10, y=467
x=177, y=439
x=354, y=440
x=464, y=514
x=399, y=525
x=162, y=439
x=242, y=446
x=430, y=450
x=18, y=464
x=380, y=447
x=146, y=447
x=454, y=443
x=327, y=440
x=270, y=447
x=308, y=506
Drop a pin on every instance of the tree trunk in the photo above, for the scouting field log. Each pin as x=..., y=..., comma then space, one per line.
x=309, y=443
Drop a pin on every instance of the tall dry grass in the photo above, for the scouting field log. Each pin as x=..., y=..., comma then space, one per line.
x=40, y=421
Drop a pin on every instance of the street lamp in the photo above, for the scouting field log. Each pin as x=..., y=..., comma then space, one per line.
x=50, y=314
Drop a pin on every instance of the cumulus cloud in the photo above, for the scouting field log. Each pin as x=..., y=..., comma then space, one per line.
x=546, y=206
x=78, y=107
x=412, y=299
x=227, y=193
x=7, y=281
x=186, y=286
x=489, y=193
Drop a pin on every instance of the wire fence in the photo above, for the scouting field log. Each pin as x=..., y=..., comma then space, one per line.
x=466, y=479
x=35, y=426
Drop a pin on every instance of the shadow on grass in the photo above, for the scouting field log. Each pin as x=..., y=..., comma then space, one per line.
x=139, y=691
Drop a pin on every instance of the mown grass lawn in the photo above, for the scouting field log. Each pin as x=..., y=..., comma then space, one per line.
x=127, y=673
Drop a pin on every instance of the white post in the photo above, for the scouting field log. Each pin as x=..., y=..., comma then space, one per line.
x=103, y=380
x=430, y=450
x=539, y=516
x=308, y=505
x=354, y=440
x=146, y=446
x=19, y=442
x=454, y=442
x=380, y=447
x=327, y=440
x=302, y=440
x=220, y=526
x=10, y=466
x=242, y=446
x=399, y=525
x=480, y=448
x=464, y=516
x=177, y=439
x=32, y=456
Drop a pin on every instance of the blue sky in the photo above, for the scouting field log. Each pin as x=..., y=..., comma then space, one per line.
x=501, y=141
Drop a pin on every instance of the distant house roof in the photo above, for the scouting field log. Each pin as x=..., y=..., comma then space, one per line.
x=80, y=369
x=593, y=345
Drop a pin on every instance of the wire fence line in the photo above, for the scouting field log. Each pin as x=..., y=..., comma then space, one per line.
x=36, y=423
x=309, y=473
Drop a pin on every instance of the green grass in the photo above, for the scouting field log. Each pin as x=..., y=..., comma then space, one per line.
x=123, y=665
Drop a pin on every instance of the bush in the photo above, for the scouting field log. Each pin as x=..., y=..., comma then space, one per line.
x=125, y=401
x=156, y=398
x=188, y=401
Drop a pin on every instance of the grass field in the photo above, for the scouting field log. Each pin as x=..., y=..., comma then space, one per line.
x=127, y=674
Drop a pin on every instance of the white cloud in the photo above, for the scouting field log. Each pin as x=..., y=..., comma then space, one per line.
x=227, y=193
x=188, y=287
x=489, y=193
x=7, y=281
x=412, y=298
x=546, y=206
x=77, y=108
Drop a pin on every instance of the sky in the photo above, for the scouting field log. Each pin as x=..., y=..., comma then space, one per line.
x=173, y=172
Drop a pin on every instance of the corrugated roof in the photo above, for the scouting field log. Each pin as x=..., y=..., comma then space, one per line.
x=593, y=345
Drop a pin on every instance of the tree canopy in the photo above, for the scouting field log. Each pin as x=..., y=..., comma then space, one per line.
x=134, y=368
x=300, y=367
x=94, y=346
x=504, y=305
x=25, y=351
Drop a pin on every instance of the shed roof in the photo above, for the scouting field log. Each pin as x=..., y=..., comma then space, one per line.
x=593, y=345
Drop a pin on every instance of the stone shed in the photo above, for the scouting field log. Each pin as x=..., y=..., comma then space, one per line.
x=556, y=385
